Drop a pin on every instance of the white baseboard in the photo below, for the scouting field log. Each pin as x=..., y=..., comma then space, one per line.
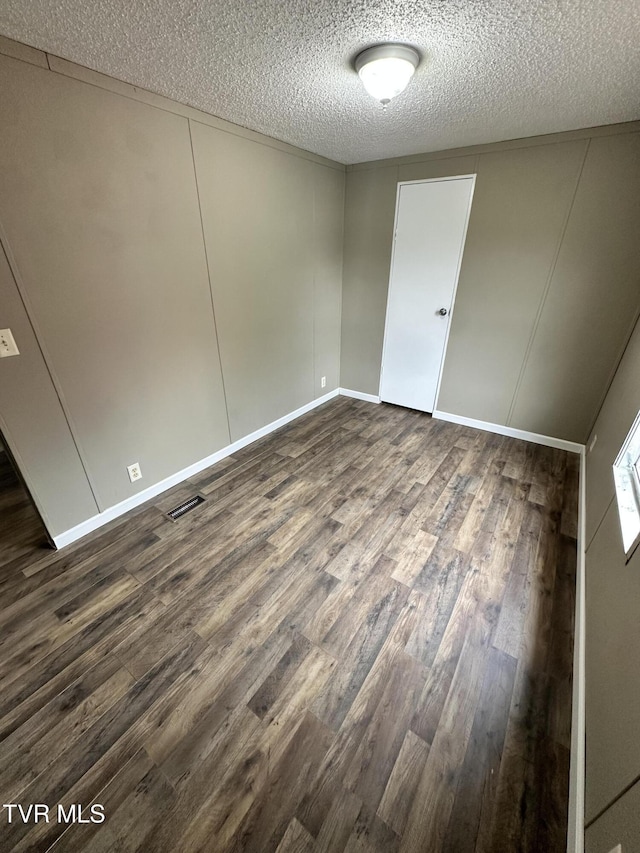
x=575, y=837
x=359, y=395
x=577, y=771
x=536, y=438
x=134, y=501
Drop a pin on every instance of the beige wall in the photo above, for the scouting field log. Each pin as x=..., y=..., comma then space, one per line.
x=618, y=825
x=548, y=287
x=182, y=278
x=148, y=306
x=33, y=423
x=612, y=623
x=272, y=257
x=609, y=432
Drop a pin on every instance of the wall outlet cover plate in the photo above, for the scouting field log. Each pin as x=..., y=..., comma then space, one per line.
x=134, y=471
x=7, y=344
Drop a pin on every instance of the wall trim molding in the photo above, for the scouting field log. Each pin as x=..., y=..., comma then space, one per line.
x=597, y=131
x=113, y=512
x=524, y=435
x=65, y=68
x=577, y=769
x=359, y=395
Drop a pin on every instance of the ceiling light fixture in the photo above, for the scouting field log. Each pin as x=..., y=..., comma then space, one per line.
x=385, y=69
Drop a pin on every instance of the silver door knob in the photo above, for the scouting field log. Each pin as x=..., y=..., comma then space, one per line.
x=442, y=312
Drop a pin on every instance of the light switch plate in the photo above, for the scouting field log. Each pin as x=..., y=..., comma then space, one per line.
x=7, y=344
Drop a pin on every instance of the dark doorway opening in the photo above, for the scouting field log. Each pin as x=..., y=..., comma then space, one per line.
x=21, y=528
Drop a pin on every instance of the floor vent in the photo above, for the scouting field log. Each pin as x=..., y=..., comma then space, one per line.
x=179, y=511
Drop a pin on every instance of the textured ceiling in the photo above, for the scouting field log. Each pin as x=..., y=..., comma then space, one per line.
x=491, y=69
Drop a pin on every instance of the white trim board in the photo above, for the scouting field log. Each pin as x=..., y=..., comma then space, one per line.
x=134, y=501
x=577, y=770
x=536, y=438
x=359, y=395
x=575, y=837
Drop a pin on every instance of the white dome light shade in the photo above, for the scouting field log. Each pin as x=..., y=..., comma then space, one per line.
x=385, y=70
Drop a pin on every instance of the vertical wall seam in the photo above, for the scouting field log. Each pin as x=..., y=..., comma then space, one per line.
x=342, y=287
x=344, y=213
x=614, y=370
x=612, y=802
x=547, y=288
x=396, y=206
x=206, y=257
x=378, y=391
x=314, y=327
x=613, y=499
x=13, y=266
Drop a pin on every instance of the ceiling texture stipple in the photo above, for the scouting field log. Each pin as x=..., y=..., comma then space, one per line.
x=490, y=70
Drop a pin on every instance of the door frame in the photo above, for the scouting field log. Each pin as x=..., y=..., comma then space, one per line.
x=399, y=186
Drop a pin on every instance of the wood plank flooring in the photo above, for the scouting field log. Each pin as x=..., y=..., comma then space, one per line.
x=361, y=641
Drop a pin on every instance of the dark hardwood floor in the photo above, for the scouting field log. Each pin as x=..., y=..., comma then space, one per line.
x=361, y=641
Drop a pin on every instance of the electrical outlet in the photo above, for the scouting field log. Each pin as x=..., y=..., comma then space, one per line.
x=323, y=382
x=7, y=344
x=591, y=446
x=134, y=471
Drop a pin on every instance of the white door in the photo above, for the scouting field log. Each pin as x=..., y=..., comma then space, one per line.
x=431, y=225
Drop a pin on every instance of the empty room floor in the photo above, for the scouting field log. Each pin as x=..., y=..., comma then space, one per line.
x=361, y=641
